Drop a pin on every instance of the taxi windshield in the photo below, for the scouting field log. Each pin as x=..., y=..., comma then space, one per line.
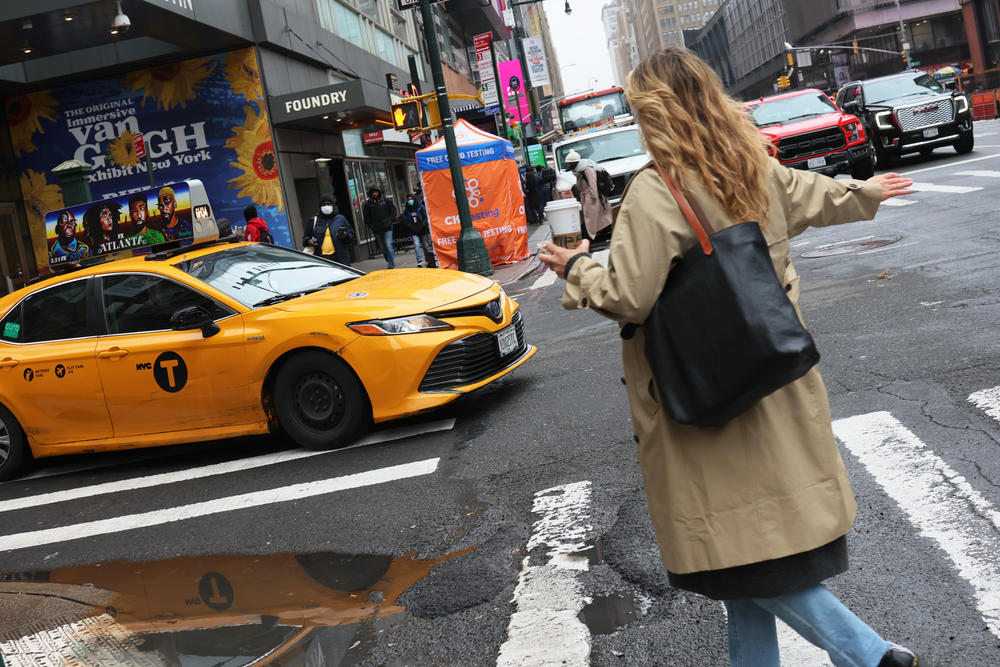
x=260, y=275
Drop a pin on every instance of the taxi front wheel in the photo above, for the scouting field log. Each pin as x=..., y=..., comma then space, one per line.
x=319, y=402
x=14, y=452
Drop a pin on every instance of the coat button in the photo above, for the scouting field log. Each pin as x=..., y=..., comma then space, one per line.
x=853, y=186
x=788, y=287
x=622, y=379
x=585, y=302
x=636, y=438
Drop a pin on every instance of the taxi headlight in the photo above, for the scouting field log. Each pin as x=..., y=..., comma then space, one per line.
x=400, y=325
x=884, y=120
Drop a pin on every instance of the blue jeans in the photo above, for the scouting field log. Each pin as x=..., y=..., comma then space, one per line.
x=816, y=614
x=417, y=248
x=384, y=240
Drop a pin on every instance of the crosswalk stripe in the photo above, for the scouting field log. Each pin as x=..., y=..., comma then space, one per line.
x=545, y=628
x=899, y=201
x=985, y=173
x=933, y=187
x=214, y=469
x=238, y=502
x=939, y=501
x=948, y=165
x=987, y=400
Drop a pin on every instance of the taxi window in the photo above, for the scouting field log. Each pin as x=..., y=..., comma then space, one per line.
x=136, y=302
x=10, y=328
x=56, y=313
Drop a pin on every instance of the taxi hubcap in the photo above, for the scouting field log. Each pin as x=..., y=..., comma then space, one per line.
x=4, y=443
x=320, y=400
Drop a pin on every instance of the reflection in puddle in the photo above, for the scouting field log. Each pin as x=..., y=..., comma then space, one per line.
x=606, y=614
x=284, y=609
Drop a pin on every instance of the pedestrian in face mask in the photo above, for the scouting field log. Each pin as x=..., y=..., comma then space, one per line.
x=329, y=233
x=415, y=219
x=380, y=214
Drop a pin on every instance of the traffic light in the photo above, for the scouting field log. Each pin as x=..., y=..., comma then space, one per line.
x=407, y=115
x=784, y=82
x=513, y=131
x=855, y=47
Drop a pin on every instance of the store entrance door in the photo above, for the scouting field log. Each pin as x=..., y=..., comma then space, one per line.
x=13, y=264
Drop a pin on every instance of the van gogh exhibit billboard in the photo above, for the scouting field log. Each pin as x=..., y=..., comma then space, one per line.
x=204, y=118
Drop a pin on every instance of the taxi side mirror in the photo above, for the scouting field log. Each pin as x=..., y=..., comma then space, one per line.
x=194, y=317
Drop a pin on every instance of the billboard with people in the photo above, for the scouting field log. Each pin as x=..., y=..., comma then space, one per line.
x=201, y=118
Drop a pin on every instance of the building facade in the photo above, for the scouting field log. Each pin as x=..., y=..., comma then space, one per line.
x=267, y=102
x=609, y=18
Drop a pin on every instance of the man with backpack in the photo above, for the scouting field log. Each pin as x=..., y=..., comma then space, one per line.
x=330, y=234
x=593, y=185
x=257, y=229
x=416, y=222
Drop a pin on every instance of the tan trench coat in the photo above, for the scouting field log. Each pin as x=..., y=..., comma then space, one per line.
x=771, y=482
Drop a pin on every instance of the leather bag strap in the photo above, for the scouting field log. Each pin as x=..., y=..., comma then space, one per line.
x=697, y=221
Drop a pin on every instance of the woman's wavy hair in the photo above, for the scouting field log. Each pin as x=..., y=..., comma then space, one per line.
x=690, y=125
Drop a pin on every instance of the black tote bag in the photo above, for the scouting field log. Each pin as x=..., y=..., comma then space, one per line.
x=723, y=334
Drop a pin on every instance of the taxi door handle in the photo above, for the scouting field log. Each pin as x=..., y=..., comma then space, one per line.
x=9, y=363
x=113, y=353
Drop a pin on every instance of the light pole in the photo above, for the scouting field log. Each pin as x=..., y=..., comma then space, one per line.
x=472, y=255
x=902, y=37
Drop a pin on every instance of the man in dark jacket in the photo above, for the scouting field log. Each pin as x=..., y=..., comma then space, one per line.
x=415, y=219
x=531, y=195
x=329, y=233
x=380, y=214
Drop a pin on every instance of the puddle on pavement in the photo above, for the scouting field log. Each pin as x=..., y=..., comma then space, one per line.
x=606, y=614
x=314, y=608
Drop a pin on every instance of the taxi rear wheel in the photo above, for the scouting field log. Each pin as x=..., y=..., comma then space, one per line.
x=14, y=452
x=319, y=402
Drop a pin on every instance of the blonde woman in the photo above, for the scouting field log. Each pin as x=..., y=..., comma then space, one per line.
x=755, y=512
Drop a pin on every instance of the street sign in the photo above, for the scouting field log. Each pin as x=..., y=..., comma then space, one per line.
x=139, y=146
x=514, y=83
x=484, y=62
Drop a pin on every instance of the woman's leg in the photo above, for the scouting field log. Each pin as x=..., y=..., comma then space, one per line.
x=753, y=639
x=418, y=248
x=819, y=616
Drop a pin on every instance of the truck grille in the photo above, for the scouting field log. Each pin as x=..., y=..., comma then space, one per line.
x=812, y=143
x=471, y=359
x=926, y=114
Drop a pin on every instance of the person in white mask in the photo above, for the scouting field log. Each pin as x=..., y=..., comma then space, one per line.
x=329, y=234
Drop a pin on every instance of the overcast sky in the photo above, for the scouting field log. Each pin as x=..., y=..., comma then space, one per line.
x=580, y=44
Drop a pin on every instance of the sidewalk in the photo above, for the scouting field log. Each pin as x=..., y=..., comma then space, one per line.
x=503, y=274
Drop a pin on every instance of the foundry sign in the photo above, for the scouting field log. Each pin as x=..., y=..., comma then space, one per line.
x=317, y=101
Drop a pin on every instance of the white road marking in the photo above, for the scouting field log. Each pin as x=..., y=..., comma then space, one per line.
x=860, y=238
x=949, y=164
x=899, y=201
x=988, y=400
x=800, y=243
x=545, y=628
x=933, y=187
x=215, y=469
x=983, y=173
x=892, y=246
x=544, y=280
x=939, y=501
x=218, y=506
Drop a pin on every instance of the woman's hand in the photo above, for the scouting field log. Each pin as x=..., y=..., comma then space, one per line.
x=556, y=257
x=893, y=185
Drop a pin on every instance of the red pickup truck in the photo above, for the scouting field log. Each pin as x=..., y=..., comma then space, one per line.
x=807, y=131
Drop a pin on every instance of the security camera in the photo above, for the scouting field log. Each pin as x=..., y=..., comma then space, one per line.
x=121, y=22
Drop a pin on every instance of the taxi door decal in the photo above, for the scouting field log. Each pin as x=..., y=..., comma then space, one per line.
x=170, y=372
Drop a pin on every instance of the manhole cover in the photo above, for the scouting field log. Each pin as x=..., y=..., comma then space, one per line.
x=845, y=247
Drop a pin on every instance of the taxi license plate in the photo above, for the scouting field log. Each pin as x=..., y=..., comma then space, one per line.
x=507, y=340
x=931, y=132
x=816, y=162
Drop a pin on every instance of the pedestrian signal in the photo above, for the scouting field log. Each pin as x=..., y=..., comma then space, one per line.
x=407, y=115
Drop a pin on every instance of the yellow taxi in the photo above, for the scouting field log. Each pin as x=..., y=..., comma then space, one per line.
x=221, y=339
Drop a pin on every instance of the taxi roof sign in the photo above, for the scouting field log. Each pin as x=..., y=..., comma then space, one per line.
x=130, y=224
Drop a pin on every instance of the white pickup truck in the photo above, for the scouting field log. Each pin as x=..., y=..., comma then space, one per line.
x=618, y=149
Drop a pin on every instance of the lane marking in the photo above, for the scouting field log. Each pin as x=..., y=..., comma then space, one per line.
x=860, y=238
x=544, y=280
x=939, y=501
x=983, y=173
x=888, y=247
x=217, y=506
x=950, y=164
x=988, y=400
x=933, y=187
x=545, y=628
x=216, y=469
x=899, y=201
x=800, y=243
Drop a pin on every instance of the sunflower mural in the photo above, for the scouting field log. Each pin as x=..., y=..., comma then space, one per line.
x=256, y=158
x=24, y=114
x=40, y=197
x=173, y=84
x=241, y=71
x=121, y=151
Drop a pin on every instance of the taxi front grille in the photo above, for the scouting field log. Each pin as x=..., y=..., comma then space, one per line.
x=471, y=359
x=811, y=143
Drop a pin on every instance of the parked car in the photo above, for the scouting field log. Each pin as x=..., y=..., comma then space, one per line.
x=909, y=113
x=808, y=131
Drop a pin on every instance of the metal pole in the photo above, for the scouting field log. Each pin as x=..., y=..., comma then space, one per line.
x=502, y=90
x=903, y=44
x=520, y=134
x=472, y=255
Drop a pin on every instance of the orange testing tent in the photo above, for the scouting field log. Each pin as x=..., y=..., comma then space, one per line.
x=494, y=191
